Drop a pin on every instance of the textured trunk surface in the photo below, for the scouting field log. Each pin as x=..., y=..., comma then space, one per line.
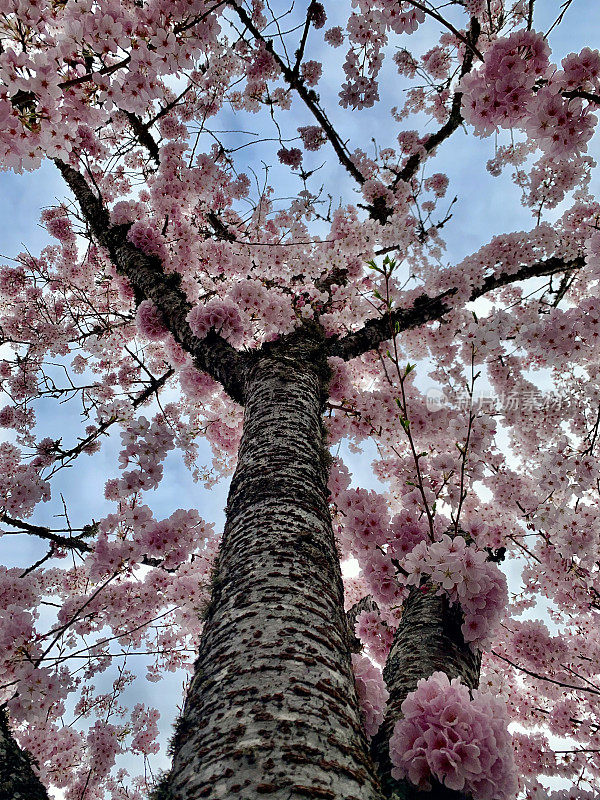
x=271, y=710
x=428, y=640
x=18, y=781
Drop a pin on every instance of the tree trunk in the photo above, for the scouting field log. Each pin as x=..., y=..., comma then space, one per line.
x=18, y=781
x=428, y=640
x=271, y=710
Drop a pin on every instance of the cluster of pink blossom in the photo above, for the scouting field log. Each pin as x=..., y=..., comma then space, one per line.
x=375, y=633
x=103, y=743
x=13, y=281
x=516, y=87
x=406, y=531
x=313, y=136
x=149, y=321
x=363, y=535
x=582, y=70
x=148, y=444
x=144, y=729
x=550, y=179
x=561, y=126
x=371, y=691
x=57, y=750
x=437, y=183
x=334, y=36
x=175, y=538
x=531, y=644
x=222, y=316
x=458, y=737
x=292, y=156
x=21, y=487
x=375, y=190
x=500, y=92
x=59, y=224
x=196, y=384
x=37, y=690
x=593, y=250
x=365, y=520
x=437, y=62
x=311, y=72
x=467, y=577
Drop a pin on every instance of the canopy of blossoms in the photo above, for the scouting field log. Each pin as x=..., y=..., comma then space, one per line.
x=132, y=102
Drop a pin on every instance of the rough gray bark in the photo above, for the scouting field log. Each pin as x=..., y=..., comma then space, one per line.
x=18, y=780
x=272, y=710
x=429, y=639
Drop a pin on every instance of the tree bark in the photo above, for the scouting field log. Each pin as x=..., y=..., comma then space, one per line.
x=271, y=710
x=18, y=780
x=428, y=640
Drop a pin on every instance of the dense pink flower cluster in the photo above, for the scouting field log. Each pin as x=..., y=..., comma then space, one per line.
x=363, y=534
x=59, y=751
x=145, y=730
x=313, y=136
x=593, y=250
x=374, y=633
x=58, y=224
x=148, y=238
x=311, y=72
x=21, y=486
x=499, y=93
x=517, y=88
x=458, y=737
x=146, y=444
x=468, y=578
x=561, y=126
x=292, y=156
x=175, y=538
x=532, y=644
x=334, y=36
x=222, y=316
x=371, y=691
x=149, y=321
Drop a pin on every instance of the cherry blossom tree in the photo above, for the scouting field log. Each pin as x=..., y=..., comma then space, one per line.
x=277, y=295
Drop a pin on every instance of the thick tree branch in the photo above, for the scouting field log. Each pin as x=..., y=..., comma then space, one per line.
x=428, y=639
x=144, y=136
x=213, y=354
x=428, y=309
x=41, y=531
x=376, y=331
x=591, y=97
